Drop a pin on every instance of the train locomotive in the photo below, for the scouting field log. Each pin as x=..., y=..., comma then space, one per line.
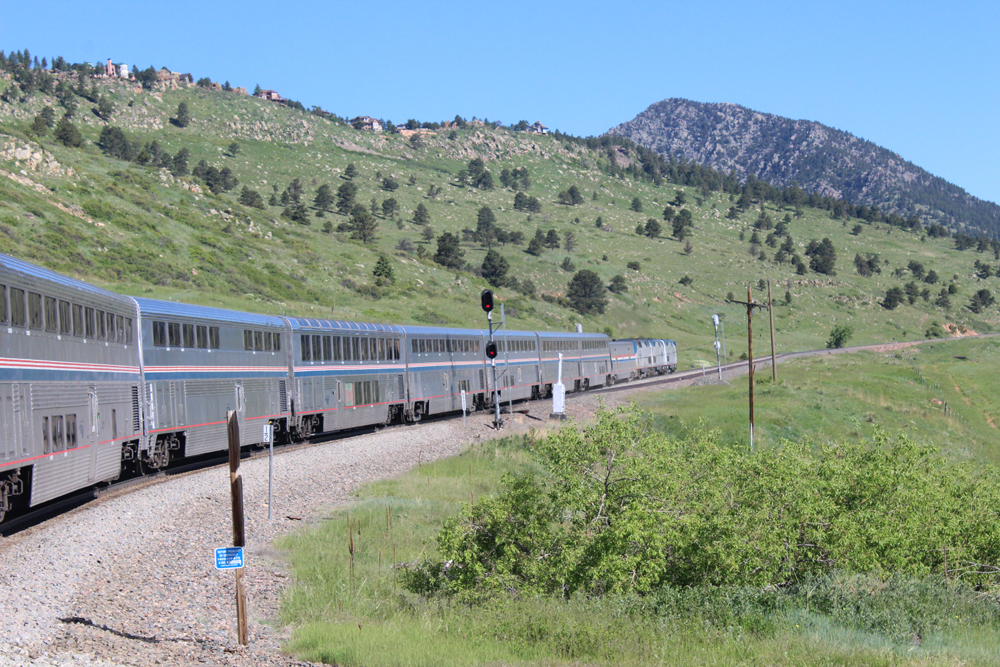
x=94, y=383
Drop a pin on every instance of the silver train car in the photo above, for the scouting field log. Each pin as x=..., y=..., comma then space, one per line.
x=70, y=380
x=93, y=383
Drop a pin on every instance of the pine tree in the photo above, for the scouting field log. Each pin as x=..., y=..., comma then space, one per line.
x=495, y=268
x=383, y=271
x=449, y=253
x=421, y=215
x=586, y=293
x=183, y=117
x=364, y=226
x=324, y=198
x=67, y=134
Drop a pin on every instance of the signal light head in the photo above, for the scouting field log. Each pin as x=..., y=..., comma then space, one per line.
x=491, y=350
x=487, y=300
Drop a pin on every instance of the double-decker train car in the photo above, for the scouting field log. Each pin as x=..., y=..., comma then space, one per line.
x=200, y=362
x=346, y=375
x=584, y=358
x=69, y=383
x=93, y=383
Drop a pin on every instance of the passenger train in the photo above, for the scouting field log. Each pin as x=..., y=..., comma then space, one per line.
x=93, y=383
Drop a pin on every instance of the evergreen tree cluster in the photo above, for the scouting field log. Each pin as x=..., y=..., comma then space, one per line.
x=113, y=142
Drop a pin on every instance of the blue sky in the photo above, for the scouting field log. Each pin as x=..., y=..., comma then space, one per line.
x=920, y=78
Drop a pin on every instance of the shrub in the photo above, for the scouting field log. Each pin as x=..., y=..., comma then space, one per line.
x=839, y=336
x=620, y=508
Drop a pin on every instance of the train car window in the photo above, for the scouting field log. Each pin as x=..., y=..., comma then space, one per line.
x=18, y=315
x=258, y=341
x=413, y=345
x=120, y=327
x=366, y=387
x=327, y=348
x=173, y=334
x=356, y=349
x=57, y=434
x=159, y=334
x=202, y=336
x=422, y=347
x=113, y=333
x=368, y=349
x=381, y=349
x=46, y=446
x=65, y=319
x=248, y=340
x=188, y=331
x=306, y=347
x=317, y=348
x=213, y=338
x=35, y=318
x=268, y=342
x=70, y=431
x=100, y=325
x=51, y=315
x=348, y=394
x=395, y=349
x=441, y=345
x=348, y=351
x=3, y=304
x=77, y=319
x=336, y=349
x=88, y=318
x=277, y=342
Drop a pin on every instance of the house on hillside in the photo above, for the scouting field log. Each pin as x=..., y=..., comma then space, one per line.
x=366, y=123
x=270, y=95
x=115, y=69
x=538, y=128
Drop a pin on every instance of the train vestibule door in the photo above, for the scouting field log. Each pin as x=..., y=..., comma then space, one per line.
x=92, y=433
x=241, y=405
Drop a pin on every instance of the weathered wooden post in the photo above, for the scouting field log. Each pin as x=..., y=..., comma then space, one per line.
x=239, y=540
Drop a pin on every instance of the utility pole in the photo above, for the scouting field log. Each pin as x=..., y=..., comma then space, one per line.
x=770, y=313
x=750, y=305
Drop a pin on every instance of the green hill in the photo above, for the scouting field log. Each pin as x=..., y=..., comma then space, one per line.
x=141, y=230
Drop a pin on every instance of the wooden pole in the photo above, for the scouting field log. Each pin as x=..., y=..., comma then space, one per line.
x=239, y=537
x=770, y=313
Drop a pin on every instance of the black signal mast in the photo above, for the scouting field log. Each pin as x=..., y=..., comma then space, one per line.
x=486, y=298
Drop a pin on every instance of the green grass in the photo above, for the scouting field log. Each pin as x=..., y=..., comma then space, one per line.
x=153, y=236
x=372, y=618
x=923, y=391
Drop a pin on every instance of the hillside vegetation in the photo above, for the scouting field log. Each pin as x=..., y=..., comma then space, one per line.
x=142, y=224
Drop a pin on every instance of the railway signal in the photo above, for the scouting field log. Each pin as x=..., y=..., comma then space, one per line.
x=487, y=300
x=491, y=350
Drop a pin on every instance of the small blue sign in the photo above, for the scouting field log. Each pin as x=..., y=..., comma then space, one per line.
x=228, y=558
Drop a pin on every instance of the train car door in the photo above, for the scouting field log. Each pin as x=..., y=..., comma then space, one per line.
x=241, y=410
x=13, y=422
x=90, y=433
